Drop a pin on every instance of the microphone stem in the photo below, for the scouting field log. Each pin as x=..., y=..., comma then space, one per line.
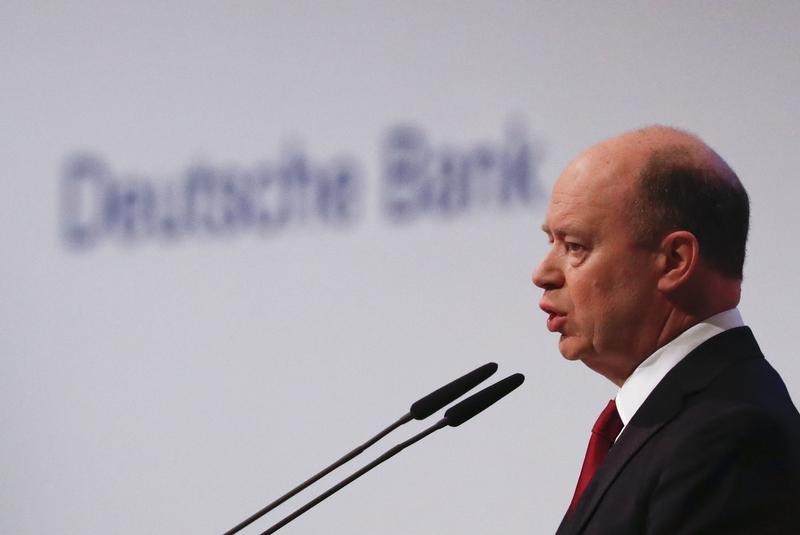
x=255, y=516
x=389, y=454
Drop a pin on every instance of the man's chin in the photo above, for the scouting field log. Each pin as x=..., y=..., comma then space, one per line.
x=569, y=349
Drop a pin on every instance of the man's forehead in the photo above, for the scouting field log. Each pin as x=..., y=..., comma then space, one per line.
x=603, y=175
x=570, y=210
x=581, y=205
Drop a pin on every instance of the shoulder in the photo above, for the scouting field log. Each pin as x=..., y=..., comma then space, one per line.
x=745, y=407
x=725, y=466
x=735, y=447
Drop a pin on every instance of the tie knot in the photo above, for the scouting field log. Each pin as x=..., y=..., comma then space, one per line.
x=608, y=424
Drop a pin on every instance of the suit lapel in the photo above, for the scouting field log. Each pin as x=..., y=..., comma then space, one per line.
x=633, y=437
x=690, y=375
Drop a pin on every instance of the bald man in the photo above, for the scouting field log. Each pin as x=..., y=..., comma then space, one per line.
x=641, y=282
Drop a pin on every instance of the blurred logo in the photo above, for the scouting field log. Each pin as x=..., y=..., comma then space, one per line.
x=417, y=180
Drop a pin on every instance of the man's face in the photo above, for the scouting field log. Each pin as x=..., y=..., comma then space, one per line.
x=599, y=285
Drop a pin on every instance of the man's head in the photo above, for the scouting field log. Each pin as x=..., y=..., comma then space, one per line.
x=648, y=232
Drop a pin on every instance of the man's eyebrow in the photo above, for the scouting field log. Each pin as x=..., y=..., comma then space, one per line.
x=563, y=230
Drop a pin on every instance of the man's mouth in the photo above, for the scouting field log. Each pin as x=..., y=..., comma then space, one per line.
x=555, y=322
x=555, y=318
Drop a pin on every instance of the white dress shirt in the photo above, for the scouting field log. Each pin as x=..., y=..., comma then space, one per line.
x=649, y=373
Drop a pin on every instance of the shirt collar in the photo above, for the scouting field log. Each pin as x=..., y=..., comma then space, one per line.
x=650, y=372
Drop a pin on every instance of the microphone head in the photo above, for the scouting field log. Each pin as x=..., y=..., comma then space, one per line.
x=438, y=399
x=463, y=411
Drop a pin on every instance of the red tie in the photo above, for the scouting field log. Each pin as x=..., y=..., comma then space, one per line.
x=604, y=433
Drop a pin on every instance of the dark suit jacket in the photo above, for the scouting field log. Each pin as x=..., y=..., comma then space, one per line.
x=714, y=449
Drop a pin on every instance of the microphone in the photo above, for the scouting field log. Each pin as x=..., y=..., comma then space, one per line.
x=420, y=409
x=477, y=403
x=455, y=416
x=438, y=399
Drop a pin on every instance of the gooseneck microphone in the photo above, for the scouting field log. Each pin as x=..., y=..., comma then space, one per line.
x=438, y=399
x=455, y=416
x=420, y=409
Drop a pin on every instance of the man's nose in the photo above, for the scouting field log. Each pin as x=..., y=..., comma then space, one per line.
x=547, y=274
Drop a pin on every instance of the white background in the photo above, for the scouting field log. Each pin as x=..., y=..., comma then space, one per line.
x=178, y=388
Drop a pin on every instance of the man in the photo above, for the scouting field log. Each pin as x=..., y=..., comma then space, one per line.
x=642, y=280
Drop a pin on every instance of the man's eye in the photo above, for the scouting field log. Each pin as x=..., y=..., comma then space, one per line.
x=573, y=247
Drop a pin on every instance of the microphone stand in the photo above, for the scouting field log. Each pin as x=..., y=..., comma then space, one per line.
x=453, y=417
x=255, y=516
x=333, y=490
x=420, y=409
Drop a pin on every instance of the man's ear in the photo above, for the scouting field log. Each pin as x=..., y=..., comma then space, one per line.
x=680, y=253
